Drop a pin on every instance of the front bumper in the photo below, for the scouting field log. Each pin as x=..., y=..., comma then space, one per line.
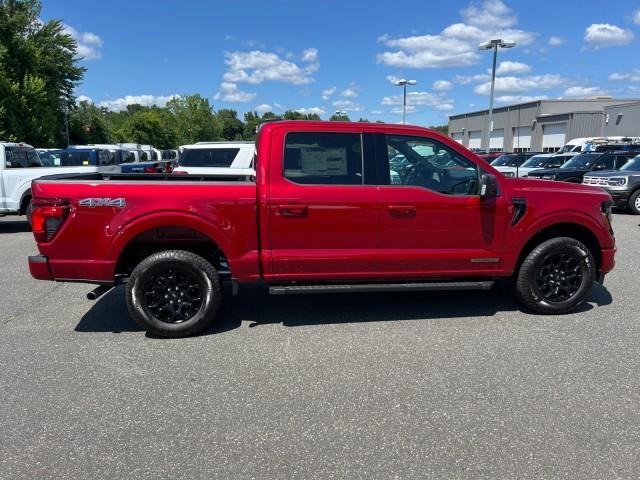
x=39, y=267
x=620, y=199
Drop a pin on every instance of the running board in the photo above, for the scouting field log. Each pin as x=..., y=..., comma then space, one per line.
x=380, y=287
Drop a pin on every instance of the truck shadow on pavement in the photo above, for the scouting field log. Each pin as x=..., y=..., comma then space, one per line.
x=14, y=226
x=254, y=305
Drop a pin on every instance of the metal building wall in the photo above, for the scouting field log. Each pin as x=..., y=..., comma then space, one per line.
x=628, y=124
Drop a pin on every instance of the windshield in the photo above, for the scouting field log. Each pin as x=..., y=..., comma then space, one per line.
x=584, y=160
x=633, y=164
x=536, y=161
x=503, y=161
x=208, y=157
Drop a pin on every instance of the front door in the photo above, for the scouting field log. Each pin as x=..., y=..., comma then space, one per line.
x=433, y=221
x=323, y=214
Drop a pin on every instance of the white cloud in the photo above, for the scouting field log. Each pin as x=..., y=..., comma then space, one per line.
x=601, y=35
x=457, y=44
x=376, y=112
x=399, y=110
x=625, y=76
x=578, y=91
x=258, y=66
x=514, y=68
x=310, y=55
x=316, y=110
x=636, y=17
x=121, y=103
x=414, y=99
x=490, y=14
x=350, y=92
x=555, y=41
x=466, y=79
x=263, y=108
x=348, y=106
x=89, y=44
x=327, y=92
x=229, y=92
x=83, y=98
x=519, y=98
x=442, y=85
x=521, y=84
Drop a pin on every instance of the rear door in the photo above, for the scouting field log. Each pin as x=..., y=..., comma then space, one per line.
x=21, y=164
x=323, y=206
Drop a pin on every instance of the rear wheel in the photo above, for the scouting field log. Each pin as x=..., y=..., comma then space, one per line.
x=556, y=276
x=634, y=203
x=174, y=293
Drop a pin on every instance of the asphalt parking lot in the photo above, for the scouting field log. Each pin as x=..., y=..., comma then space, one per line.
x=453, y=385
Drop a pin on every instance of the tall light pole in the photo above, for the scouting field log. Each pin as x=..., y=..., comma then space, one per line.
x=403, y=83
x=493, y=45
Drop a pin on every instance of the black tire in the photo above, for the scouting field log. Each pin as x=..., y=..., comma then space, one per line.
x=543, y=288
x=28, y=211
x=634, y=203
x=174, y=276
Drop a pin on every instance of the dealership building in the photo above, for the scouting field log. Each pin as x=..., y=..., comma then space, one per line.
x=546, y=125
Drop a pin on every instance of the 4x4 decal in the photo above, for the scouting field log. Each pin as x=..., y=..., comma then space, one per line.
x=103, y=202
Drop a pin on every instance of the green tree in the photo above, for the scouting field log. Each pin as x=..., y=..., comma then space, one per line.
x=363, y=120
x=87, y=124
x=444, y=129
x=194, y=119
x=339, y=118
x=38, y=74
x=232, y=127
x=153, y=126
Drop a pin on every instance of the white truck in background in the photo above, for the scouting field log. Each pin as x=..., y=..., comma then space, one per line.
x=217, y=158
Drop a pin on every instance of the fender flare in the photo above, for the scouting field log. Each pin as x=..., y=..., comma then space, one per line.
x=167, y=218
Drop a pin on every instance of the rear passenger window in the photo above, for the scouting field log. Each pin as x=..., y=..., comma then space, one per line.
x=208, y=157
x=323, y=158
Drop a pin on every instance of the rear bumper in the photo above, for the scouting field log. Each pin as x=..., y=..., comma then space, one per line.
x=98, y=272
x=39, y=267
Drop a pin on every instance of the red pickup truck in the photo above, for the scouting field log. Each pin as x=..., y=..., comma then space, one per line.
x=334, y=207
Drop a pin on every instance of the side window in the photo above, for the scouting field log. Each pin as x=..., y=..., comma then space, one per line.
x=323, y=158
x=621, y=160
x=107, y=157
x=605, y=163
x=424, y=162
x=154, y=155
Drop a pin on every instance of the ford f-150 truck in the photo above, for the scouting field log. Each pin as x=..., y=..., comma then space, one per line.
x=322, y=215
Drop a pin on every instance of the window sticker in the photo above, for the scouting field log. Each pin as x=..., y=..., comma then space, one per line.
x=323, y=161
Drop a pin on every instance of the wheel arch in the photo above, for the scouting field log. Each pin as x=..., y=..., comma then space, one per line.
x=24, y=201
x=575, y=230
x=161, y=232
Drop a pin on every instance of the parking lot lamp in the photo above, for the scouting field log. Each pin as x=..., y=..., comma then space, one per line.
x=493, y=45
x=403, y=83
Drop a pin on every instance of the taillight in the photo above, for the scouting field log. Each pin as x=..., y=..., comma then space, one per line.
x=152, y=169
x=47, y=215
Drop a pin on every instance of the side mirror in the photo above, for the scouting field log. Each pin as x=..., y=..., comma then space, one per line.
x=488, y=186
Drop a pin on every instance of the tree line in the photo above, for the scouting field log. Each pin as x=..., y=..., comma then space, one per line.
x=40, y=71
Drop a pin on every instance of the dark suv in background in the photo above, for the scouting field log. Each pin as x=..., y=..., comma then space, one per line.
x=575, y=169
x=623, y=185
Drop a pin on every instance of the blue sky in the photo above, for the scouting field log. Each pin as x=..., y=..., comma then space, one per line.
x=332, y=55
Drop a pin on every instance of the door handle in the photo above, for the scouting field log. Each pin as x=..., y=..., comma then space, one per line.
x=293, y=210
x=402, y=210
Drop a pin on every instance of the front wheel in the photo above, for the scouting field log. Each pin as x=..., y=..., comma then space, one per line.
x=634, y=203
x=556, y=276
x=174, y=293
